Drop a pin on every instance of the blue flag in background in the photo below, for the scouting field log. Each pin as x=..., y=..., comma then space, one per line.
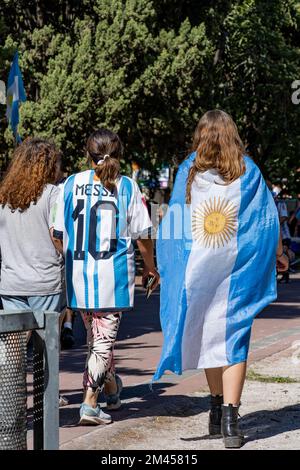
x=15, y=94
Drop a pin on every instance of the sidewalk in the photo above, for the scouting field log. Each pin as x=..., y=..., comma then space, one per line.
x=270, y=416
x=137, y=354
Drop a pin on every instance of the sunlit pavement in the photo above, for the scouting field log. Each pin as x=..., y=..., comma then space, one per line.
x=138, y=351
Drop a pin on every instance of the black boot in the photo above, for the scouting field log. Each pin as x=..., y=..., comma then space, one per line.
x=215, y=415
x=232, y=435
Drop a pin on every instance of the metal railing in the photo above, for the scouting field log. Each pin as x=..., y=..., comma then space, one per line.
x=14, y=328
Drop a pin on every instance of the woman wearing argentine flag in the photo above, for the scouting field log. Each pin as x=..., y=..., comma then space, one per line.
x=98, y=214
x=222, y=266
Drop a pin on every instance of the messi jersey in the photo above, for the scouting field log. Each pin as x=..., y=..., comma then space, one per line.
x=97, y=228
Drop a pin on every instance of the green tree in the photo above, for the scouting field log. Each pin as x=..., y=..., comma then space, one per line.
x=149, y=68
x=253, y=81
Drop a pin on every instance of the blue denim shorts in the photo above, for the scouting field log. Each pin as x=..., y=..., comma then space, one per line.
x=55, y=302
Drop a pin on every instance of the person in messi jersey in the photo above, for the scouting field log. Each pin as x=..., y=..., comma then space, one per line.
x=98, y=215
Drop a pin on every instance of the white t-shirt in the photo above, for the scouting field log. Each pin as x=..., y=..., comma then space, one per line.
x=97, y=228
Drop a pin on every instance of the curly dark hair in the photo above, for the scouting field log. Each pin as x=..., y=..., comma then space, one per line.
x=34, y=165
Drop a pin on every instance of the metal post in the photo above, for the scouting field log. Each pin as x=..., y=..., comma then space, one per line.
x=38, y=391
x=45, y=335
x=51, y=394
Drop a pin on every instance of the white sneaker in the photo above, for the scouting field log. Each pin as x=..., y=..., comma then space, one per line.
x=63, y=401
x=90, y=415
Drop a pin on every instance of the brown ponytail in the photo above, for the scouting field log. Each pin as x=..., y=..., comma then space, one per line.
x=105, y=149
x=218, y=146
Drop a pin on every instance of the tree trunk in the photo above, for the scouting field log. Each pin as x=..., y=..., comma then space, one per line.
x=39, y=14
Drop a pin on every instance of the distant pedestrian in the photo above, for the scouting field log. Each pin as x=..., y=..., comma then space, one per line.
x=294, y=220
x=283, y=219
x=67, y=339
x=284, y=230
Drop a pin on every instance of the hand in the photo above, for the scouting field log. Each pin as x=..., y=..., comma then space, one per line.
x=282, y=263
x=150, y=272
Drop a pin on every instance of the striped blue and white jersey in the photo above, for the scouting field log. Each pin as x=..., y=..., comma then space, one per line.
x=97, y=228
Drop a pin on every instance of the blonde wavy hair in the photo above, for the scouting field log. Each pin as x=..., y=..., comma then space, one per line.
x=218, y=146
x=34, y=164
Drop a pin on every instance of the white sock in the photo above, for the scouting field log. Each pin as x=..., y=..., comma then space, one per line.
x=68, y=324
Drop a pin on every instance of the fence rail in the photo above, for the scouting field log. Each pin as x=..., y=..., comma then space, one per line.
x=14, y=331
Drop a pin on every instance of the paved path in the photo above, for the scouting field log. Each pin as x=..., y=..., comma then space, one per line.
x=138, y=351
x=270, y=418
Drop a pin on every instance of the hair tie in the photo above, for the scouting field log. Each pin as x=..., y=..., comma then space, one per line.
x=102, y=160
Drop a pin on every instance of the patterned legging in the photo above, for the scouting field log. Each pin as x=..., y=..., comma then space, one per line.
x=102, y=330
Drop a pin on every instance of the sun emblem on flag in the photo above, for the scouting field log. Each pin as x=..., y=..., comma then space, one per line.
x=214, y=222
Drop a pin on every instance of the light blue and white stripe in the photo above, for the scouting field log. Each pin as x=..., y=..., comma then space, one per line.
x=212, y=288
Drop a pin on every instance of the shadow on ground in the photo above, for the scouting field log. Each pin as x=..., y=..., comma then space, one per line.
x=287, y=304
x=149, y=404
x=263, y=424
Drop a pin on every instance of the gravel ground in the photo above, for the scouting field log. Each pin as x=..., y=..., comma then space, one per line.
x=270, y=414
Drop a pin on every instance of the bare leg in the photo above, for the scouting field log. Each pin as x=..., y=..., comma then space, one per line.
x=233, y=382
x=68, y=316
x=214, y=380
x=90, y=397
x=110, y=388
x=62, y=319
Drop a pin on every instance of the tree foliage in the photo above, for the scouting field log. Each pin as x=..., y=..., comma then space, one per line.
x=149, y=69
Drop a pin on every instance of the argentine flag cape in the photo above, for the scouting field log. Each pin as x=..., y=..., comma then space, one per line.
x=217, y=261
